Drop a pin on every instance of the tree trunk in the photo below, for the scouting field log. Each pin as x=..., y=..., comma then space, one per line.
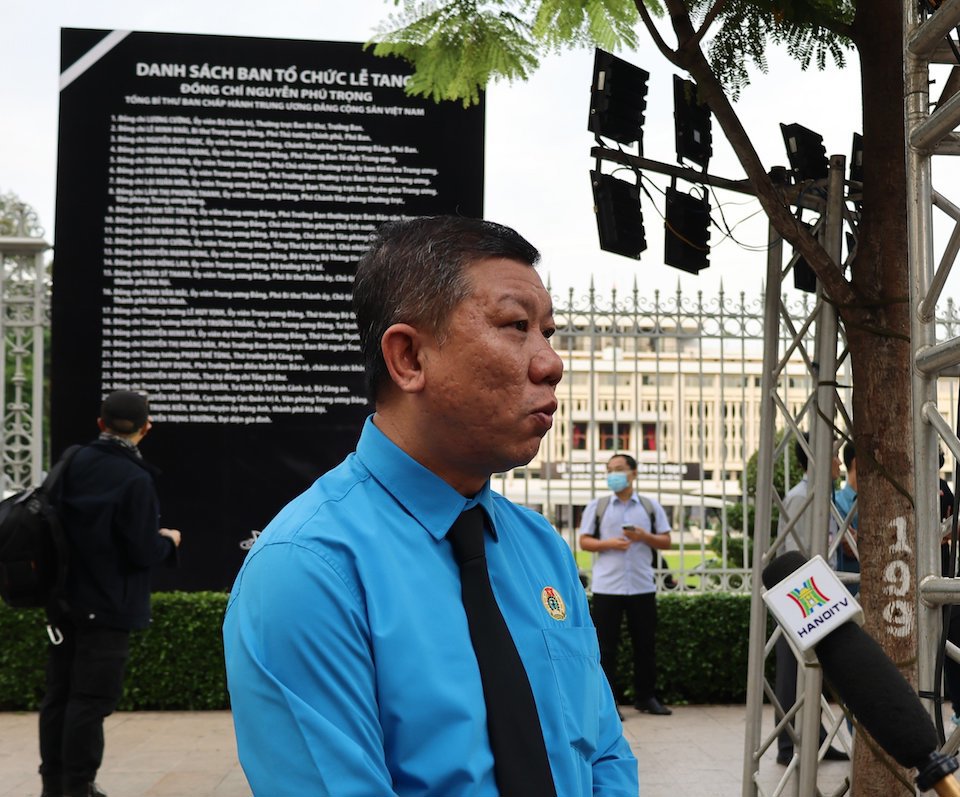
x=878, y=333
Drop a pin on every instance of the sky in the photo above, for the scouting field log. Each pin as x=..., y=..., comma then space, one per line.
x=538, y=148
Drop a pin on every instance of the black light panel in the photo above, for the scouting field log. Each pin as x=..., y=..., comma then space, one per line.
x=856, y=159
x=805, y=150
x=692, y=123
x=619, y=217
x=687, y=228
x=617, y=99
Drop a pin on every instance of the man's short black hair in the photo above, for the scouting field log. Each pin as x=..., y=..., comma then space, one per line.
x=801, y=452
x=631, y=462
x=849, y=455
x=415, y=273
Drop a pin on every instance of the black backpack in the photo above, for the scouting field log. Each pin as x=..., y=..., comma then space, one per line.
x=33, y=547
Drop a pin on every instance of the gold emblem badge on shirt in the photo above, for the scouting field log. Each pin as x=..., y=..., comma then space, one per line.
x=553, y=603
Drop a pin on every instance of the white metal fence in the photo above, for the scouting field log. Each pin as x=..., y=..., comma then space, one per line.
x=675, y=381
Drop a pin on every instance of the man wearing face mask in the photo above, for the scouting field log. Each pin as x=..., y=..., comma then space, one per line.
x=623, y=532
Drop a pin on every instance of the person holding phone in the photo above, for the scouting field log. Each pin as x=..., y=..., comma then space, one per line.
x=624, y=537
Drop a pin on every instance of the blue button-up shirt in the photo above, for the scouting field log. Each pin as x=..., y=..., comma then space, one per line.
x=349, y=660
x=628, y=572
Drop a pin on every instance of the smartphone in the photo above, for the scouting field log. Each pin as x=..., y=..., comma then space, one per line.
x=627, y=527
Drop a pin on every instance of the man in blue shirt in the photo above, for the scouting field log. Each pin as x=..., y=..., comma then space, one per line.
x=349, y=656
x=844, y=499
x=623, y=537
x=796, y=511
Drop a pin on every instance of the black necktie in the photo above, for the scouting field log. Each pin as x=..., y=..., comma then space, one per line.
x=520, y=761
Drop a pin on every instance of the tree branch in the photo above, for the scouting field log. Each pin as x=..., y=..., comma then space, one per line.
x=708, y=20
x=689, y=56
x=844, y=29
x=662, y=46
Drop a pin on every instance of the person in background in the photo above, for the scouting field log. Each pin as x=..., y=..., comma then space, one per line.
x=799, y=539
x=844, y=499
x=110, y=517
x=624, y=539
x=951, y=614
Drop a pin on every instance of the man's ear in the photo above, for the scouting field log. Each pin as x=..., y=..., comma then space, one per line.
x=401, y=347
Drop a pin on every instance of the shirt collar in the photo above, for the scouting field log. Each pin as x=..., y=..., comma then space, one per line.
x=123, y=442
x=426, y=497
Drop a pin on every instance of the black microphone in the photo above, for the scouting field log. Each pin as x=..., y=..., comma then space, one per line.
x=877, y=694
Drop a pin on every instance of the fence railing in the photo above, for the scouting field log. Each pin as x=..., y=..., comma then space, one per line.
x=670, y=379
x=675, y=382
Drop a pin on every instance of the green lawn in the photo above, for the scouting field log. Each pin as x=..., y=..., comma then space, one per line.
x=691, y=559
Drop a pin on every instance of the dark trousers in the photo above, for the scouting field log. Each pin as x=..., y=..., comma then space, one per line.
x=785, y=688
x=951, y=670
x=641, y=613
x=84, y=682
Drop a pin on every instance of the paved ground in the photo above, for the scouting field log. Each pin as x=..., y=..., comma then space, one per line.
x=697, y=751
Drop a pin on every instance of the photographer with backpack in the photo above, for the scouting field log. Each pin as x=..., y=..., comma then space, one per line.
x=109, y=514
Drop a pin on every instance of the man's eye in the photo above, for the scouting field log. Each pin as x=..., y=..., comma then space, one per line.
x=548, y=333
x=521, y=325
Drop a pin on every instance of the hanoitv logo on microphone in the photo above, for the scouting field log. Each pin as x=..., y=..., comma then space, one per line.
x=810, y=603
x=808, y=597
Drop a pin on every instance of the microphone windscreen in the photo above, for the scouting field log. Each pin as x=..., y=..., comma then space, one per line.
x=876, y=692
x=781, y=567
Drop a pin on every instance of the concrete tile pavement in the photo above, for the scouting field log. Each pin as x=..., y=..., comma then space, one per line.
x=148, y=754
x=698, y=750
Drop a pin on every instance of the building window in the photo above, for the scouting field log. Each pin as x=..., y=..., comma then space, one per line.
x=610, y=441
x=608, y=380
x=579, y=442
x=648, y=433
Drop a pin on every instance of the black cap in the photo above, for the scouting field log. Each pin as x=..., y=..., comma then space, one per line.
x=124, y=411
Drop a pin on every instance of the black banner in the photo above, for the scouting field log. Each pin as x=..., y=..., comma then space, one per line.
x=213, y=196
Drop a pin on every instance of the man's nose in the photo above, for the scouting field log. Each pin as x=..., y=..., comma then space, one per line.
x=546, y=366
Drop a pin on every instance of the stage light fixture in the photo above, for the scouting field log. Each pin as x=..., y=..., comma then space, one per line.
x=805, y=151
x=617, y=99
x=619, y=217
x=856, y=159
x=804, y=278
x=687, y=231
x=692, y=124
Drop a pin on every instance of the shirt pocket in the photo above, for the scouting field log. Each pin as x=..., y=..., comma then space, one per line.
x=575, y=659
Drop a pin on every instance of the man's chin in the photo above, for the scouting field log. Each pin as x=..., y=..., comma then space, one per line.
x=522, y=456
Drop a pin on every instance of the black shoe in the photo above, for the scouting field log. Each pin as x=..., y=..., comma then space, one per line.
x=652, y=706
x=833, y=754
x=784, y=757
x=86, y=790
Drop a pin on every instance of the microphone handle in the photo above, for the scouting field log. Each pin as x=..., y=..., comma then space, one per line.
x=947, y=787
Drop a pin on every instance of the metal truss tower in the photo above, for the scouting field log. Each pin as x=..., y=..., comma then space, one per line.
x=824, y=417
x=930, y=44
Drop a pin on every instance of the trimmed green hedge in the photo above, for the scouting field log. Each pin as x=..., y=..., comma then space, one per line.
x=702, y=648
x=177, y=663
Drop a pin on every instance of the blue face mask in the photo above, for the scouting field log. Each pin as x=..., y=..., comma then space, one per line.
x=617, y=481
